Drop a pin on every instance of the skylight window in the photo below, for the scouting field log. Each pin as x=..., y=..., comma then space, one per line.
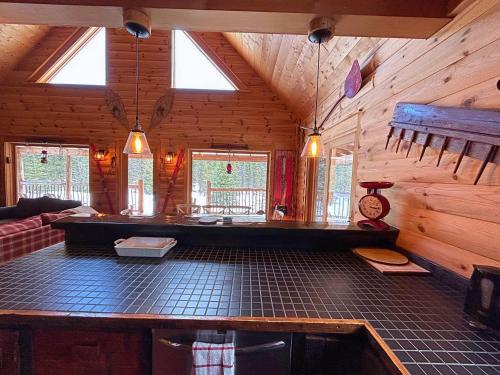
x=193, y=69
x=86, y=65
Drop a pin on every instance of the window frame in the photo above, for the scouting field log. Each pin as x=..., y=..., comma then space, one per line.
x=11, y=176
x=65, y=53
x=333, y=138
x=211, y=56
x=189, y=175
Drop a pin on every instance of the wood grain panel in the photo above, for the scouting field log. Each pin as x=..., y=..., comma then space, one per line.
x=15, y=42
x=440, y=214
x=255, y=116
x=472, y=201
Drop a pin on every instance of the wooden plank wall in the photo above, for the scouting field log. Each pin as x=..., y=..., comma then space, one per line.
x=442, y=216
x=15, y=42
x=253, y=116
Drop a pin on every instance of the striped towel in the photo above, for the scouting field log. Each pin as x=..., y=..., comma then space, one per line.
x=213, y=359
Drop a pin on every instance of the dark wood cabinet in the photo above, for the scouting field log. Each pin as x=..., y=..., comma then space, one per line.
x=10, y=359
x=85, y=352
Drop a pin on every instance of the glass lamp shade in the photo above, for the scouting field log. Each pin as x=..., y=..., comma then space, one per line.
x=313, y=147
x=137, y=144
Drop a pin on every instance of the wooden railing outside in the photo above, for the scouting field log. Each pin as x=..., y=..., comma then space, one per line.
x=60, y=190
x=136, y=196
x=339, y=210
x=254, y=198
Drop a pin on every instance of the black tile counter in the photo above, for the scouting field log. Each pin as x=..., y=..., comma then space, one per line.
x=419, y=318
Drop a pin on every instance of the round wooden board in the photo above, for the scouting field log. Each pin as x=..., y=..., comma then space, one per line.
x=380, y=255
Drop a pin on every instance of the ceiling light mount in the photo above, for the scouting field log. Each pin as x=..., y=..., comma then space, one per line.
x=320, y=30
x=137, y=22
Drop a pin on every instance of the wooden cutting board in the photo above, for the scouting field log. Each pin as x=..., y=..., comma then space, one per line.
x=381, y=255
x=409, y=268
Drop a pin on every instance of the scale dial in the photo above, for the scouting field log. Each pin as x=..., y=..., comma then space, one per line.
x=374, y=206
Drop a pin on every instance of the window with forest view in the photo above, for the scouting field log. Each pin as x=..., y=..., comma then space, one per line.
x=333, y=185
x=58, y=172
x=242, y=191
x=140, y=184
x=339, y=197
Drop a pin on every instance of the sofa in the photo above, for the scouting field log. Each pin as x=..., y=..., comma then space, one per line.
x=25, y=227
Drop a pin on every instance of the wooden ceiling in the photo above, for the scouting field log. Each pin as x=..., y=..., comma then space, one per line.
x=288, y=64
x=15, y=42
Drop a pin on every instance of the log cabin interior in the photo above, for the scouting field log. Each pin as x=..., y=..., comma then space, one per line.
x=242, y=187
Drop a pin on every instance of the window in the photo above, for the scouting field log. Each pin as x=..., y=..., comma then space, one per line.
x=140, y=184
x=241, y=192
x=339, y=184
x=84, y=63
x=333, y=188
x=330, y=195
x=320, y=189
x=193, y=69
x=58, y=172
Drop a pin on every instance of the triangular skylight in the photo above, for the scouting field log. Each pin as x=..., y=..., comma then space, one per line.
x=193, y=69
x=87, y=66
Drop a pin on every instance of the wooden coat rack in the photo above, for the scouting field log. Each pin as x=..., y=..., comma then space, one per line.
x=466, y=132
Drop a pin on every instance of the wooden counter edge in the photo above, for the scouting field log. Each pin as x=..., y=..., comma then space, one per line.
x=38, y=318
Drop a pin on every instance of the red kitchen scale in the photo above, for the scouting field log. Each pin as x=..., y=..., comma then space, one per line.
x=374, y=206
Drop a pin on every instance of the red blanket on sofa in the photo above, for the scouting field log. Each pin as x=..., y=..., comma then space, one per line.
x=25, y=236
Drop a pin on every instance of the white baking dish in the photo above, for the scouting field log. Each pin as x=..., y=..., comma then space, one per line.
x=151, y=247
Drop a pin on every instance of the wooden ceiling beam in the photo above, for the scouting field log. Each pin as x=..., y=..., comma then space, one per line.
x=398, y=8
x=387, y=18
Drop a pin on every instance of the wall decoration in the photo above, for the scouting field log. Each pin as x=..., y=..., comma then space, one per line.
x=173, y=179
x=161, y=109
x=352, y=84
x=284, y=170
x=115, y=105
x=467, y=132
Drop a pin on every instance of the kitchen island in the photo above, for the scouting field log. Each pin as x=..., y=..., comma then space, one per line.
x=104, y=229
x=90, y=288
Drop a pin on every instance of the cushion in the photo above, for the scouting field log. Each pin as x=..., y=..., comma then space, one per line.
x=20, y=225
x=35, y=206
x=81, y=210
x=7, y=212
x=49, y=217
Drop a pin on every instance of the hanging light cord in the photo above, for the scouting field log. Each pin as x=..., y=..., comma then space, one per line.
x=137, y=80
x=317, y=90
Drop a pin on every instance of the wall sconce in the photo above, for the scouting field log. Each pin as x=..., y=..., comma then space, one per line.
x=99, y=155
x=113, y=161
x=169, y=157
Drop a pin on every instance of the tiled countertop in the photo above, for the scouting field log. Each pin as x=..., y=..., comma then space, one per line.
x=420, y=319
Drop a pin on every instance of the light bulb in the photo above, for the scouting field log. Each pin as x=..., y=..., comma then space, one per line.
x=137, y=143
x=314, y=148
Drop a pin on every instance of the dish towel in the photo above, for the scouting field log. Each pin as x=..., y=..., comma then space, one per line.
x=213, y=359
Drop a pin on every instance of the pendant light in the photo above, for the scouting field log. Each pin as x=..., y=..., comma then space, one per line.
x=137, y=23
x=320, y=30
